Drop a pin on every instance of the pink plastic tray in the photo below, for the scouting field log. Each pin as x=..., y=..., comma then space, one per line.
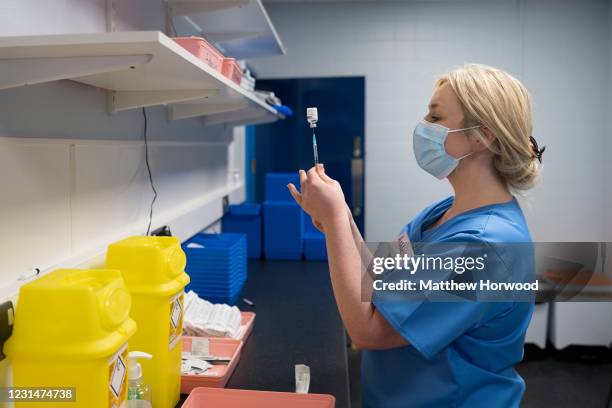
x=246, y=325
x=226, y=398
x=232, y=70
x=218, y=375
x=202, y=49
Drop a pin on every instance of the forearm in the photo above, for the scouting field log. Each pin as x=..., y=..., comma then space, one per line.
x=320, y=198
x=345, y=266
x=348, y=259
x=357, y=238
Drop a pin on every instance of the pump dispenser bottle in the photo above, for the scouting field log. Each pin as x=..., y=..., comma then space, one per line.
x=139, y=393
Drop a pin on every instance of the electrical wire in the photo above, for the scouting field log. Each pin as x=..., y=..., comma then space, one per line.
x=146, y=142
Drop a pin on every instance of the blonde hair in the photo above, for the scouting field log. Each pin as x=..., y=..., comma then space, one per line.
x=496, y=100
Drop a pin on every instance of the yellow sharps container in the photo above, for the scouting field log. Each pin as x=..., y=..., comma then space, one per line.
x=71, y=331
x=154, y=271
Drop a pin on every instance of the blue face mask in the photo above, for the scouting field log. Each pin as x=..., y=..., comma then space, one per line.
x=428, y=144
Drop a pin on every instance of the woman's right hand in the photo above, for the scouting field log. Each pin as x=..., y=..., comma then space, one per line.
x=318, y=225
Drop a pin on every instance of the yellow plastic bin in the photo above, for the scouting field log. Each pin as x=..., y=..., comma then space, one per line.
x=71, y=330
x=154, y=271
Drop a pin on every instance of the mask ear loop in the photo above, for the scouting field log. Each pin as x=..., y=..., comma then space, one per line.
x=459, y=130
x=467, y=128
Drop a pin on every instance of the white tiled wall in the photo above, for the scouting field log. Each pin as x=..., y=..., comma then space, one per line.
x=558, y=48
x=608, y=151
x=73, y=176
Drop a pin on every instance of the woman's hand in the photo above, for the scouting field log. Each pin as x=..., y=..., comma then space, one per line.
x=321, y=197
x=318, y=225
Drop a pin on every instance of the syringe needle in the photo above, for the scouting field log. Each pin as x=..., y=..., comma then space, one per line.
x=314, y=149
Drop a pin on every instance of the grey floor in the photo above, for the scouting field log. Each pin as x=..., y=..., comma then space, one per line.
x=560, y=380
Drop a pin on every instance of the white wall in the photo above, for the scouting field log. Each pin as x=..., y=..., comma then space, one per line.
x=608, y=150
x=73, y=177
x=558, y=48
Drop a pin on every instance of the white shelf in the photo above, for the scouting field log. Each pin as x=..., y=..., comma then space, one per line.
x=184, y=220
x=243, y=31
x=186, y=7
x=140, y=68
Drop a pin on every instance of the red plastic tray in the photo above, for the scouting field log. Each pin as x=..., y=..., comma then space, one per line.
x=218, y=375
x=202, y=49
x=227, y=398
x=246, y=325
x=232, y=70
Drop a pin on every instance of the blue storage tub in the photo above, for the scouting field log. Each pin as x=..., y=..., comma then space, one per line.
x=283, y=230
x=245, y=218
x=314, y=242
x=276, y=186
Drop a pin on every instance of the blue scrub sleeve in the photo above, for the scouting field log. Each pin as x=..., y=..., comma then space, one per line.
x=432, y=325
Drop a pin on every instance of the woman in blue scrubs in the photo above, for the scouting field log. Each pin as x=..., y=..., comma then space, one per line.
x=477, y=134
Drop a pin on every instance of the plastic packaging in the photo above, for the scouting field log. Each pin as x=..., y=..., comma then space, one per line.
x=204, y=319
x=71, y=330
x=139, y=392
x=218, y=375
x=302, y=378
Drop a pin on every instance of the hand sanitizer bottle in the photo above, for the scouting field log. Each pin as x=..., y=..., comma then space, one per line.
x=139, y=393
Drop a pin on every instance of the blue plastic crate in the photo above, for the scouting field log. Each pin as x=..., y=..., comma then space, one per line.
x=276, y=186
x=314, y=248
x=217, y=265
x=314, y=242
x=283, y=230
x=245, y=218
x=230, y=300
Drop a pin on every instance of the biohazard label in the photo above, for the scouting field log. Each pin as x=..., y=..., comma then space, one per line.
x=175, y=316
x=176, y=319
x=117, y=384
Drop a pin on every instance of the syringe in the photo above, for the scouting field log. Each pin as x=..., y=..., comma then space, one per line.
x=314, y=148
x=312, y=116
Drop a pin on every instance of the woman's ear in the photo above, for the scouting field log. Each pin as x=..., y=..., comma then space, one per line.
x=489, y=138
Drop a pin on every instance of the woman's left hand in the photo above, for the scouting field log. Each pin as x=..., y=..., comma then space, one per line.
x=321, y=196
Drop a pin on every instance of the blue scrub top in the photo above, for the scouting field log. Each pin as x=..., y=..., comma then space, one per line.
x=461, y=354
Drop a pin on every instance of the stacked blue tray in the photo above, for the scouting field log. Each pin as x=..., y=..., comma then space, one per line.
x=217, y=266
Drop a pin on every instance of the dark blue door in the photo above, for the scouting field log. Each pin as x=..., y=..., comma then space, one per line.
x=286, y=146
